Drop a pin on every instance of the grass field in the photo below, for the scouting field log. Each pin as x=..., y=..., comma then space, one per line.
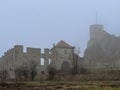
x=109, y=80
x=62, y=85
x=76, y=85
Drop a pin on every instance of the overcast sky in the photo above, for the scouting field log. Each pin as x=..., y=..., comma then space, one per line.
x=40, y=23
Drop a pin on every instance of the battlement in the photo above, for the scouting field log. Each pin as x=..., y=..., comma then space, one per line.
x=96, y=27
x=18, y=48
x=33, y=51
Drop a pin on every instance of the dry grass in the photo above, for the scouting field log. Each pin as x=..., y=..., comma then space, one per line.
x=62, y=85
x=109, y=80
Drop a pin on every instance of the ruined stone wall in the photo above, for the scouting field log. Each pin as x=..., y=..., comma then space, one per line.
x=15, y=57
x=7, y=60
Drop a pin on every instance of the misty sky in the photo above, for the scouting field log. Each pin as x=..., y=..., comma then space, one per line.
x=40, y=23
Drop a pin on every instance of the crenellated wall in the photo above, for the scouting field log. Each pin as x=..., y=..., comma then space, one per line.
x=58, y=57
x=15, y=57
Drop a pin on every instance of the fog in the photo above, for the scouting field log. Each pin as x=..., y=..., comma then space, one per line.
x=40, y=23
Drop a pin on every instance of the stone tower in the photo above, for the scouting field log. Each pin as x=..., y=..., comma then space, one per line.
x=97, y=33
x=94, y=29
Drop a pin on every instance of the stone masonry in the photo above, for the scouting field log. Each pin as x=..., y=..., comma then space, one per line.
x=60, y=56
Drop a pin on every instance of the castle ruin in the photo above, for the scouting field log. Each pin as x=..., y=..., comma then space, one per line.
x=102, y=52
x=60, y=56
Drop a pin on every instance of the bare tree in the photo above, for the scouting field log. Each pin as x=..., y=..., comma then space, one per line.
x=33, y=69
x=51, y=72
x=26, y=71
x=22, y=72
x=18, y=74
x=76, y=58
x=3, y=76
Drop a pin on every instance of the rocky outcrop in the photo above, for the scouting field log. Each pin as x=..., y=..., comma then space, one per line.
x=103, y=49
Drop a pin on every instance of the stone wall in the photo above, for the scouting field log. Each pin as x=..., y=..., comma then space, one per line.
x=62, y=55
x=16, y=57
